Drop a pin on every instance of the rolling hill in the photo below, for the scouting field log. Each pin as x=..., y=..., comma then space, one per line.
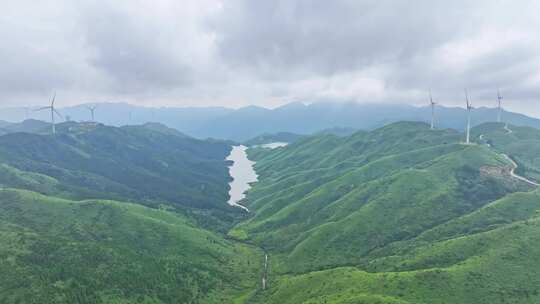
x=99, y=214
x=148, y=164
x=100, y=251
x=522, y=143
x=401, y=214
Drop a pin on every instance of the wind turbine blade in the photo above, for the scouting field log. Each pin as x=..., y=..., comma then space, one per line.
x=58, y=113
x=42, y=108
x=53, y=99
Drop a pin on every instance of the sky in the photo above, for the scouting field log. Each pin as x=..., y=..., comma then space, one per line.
x=235, y=53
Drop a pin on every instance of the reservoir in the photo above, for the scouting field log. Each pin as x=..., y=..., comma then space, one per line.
x=274, y=145
x=243, y=175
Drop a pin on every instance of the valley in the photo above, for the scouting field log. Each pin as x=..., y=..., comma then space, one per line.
x=101, y=214
x=270, y=152
x=400, y=214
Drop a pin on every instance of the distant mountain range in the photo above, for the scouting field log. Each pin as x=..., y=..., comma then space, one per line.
x=248, y=122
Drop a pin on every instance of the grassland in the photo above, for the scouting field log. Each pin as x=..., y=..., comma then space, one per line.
x=399, y=215
x=144, y=164
x=522, y=143
x=62, y=251
x=402, y=214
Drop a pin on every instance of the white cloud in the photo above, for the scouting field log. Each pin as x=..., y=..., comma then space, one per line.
x=239, y=52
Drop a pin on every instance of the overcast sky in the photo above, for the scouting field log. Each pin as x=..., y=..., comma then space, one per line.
x=238, y=52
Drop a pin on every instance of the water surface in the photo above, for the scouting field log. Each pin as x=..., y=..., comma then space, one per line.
x=274, y=145
x=242, y=173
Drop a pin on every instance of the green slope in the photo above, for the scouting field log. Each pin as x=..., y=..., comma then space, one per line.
x=61, y=251
x=73, y=228
x=522, y=143
x=495, y=262
x=402, y=214
x=148, y=164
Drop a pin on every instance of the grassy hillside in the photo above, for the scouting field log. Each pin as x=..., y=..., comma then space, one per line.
x=522, y=143
x=494, y=259
x=402, y=214
x=148, y=164
x=61, y=251
x=73, y=228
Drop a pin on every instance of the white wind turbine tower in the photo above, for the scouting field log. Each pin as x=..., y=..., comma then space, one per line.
x=469, y=108
x=26, y=113
x=499, y=101
x=432, y=103
x=53, y=112
x=92, y=110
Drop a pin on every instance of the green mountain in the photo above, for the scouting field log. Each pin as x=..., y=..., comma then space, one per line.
x=98, y=214
x=95, y=251
x=402, y=214
x=146, y=164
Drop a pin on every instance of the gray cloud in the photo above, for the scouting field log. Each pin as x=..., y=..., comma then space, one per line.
x=327, y=38
x=240, y=52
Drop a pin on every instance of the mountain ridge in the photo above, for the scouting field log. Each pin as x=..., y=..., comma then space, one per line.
x=245, y=123
x=394, y=215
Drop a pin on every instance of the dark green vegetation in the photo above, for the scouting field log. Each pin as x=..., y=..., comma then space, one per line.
x=402, y=214
x=149, y=164
x=100, y=214
x=94, y=251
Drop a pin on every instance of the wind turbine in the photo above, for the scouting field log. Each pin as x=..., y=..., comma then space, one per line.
x=53, y=111
x=92, y=109
x=432, y=103
x=469, y=108
x=499, y=101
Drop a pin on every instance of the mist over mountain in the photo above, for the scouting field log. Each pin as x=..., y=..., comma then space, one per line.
x=248, y=122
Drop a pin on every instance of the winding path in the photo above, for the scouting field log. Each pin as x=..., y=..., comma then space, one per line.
x=514, y=164
x=514, y=167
